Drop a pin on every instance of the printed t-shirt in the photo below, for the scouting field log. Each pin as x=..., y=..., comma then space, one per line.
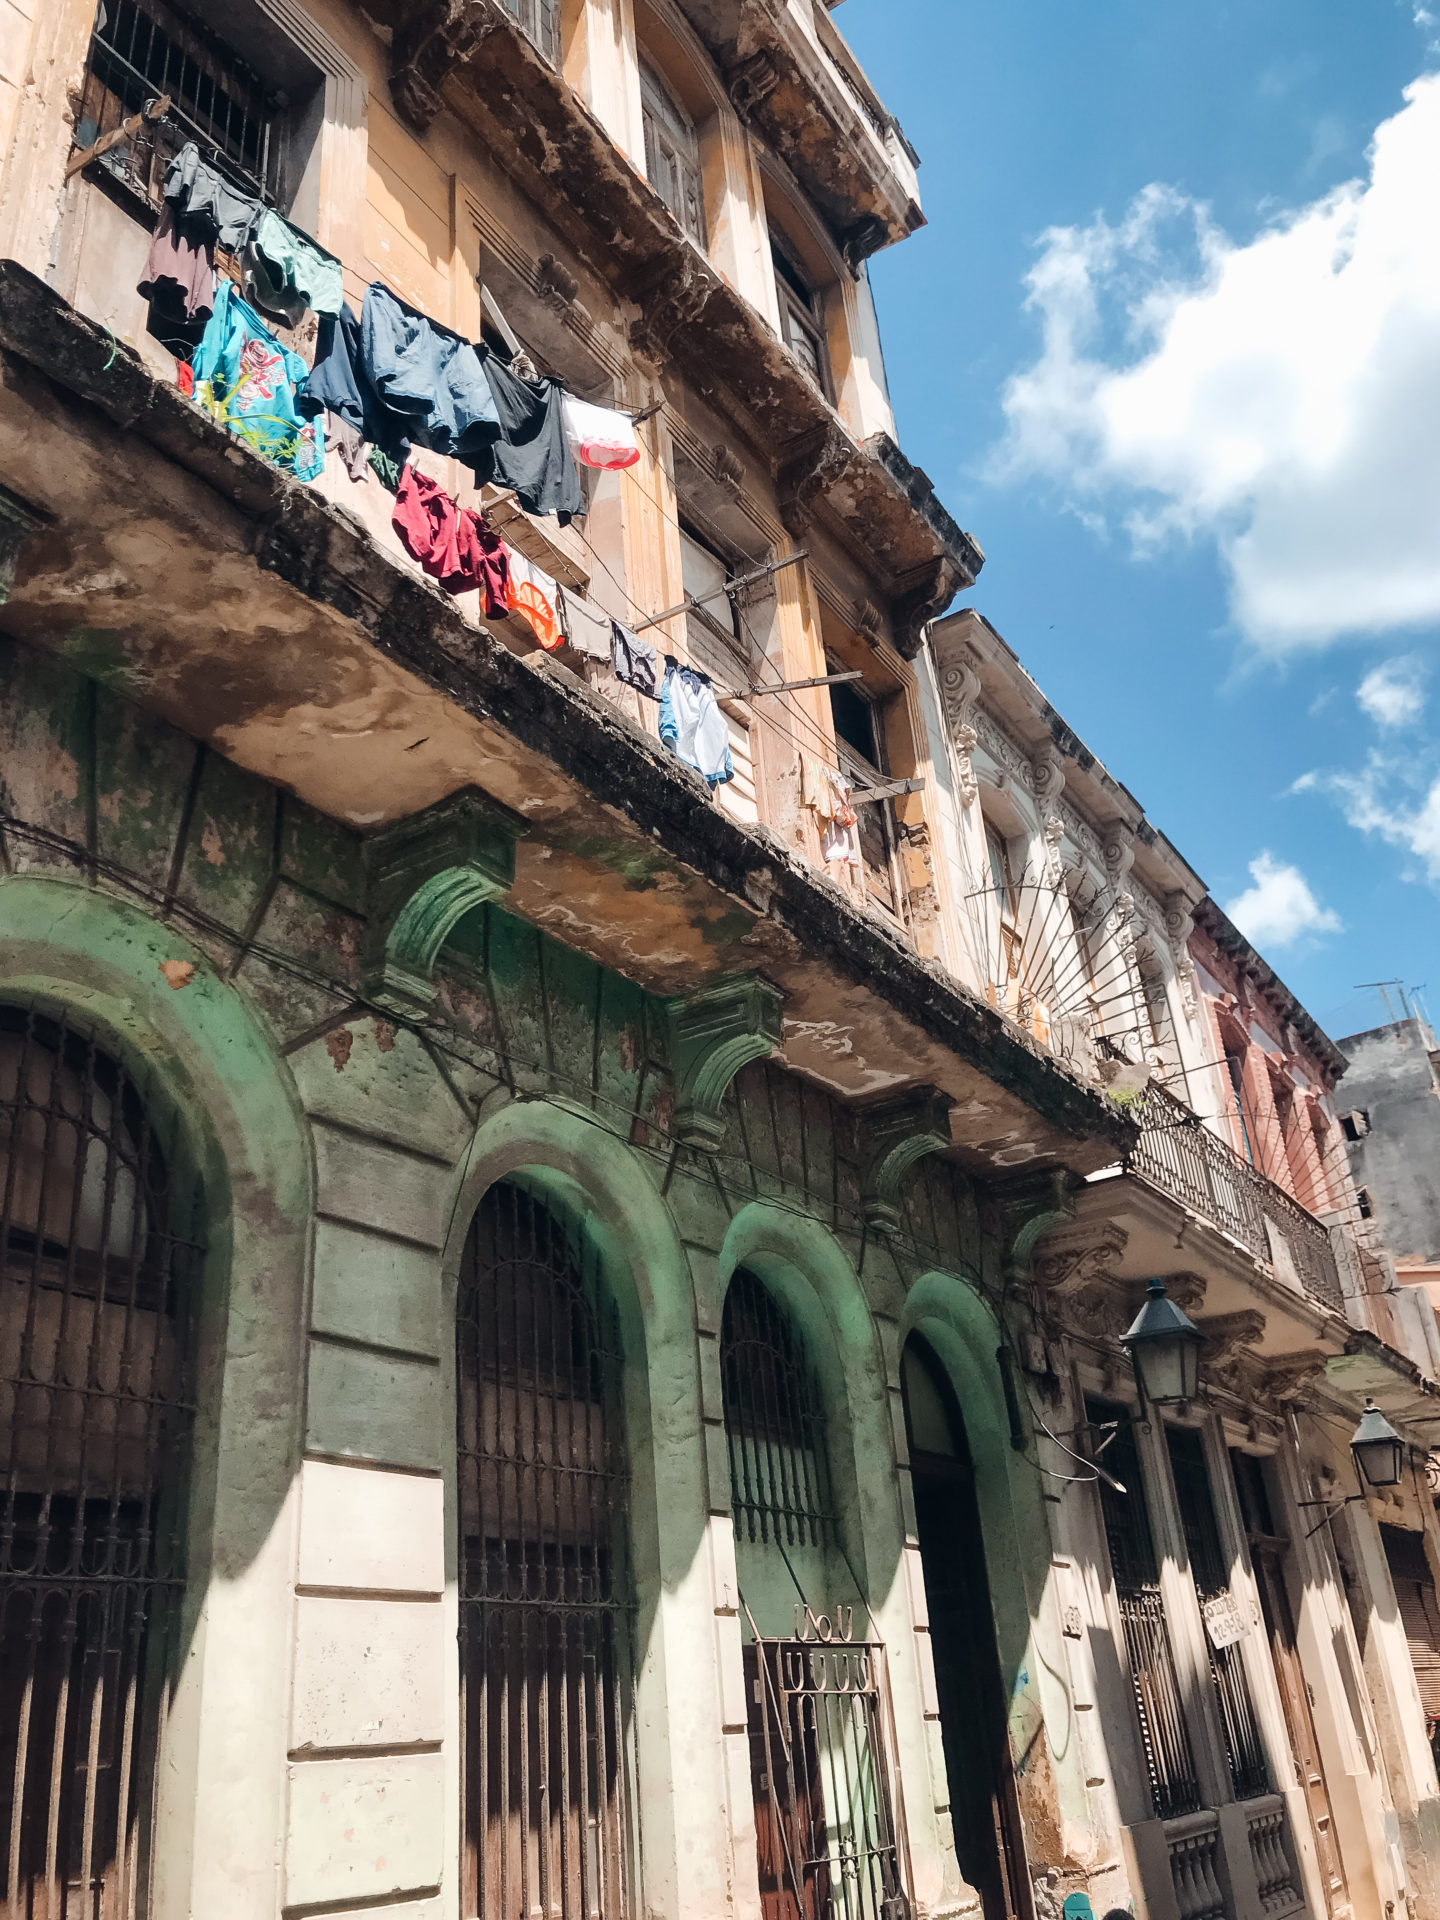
x=248, y=381
x=535, y=597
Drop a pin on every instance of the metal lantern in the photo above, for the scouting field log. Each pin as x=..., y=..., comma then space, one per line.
x=1164, y=1346
x=1377, y=1448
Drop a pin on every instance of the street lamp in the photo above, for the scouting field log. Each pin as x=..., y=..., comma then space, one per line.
x=1164, y=1346
x=1377, y=1448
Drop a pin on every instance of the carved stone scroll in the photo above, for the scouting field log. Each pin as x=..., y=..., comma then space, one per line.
x=710, y=1035
x=893, y=1137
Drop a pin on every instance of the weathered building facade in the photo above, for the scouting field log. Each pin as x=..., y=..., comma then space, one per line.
x=558, y=1326
x=1294, y=1752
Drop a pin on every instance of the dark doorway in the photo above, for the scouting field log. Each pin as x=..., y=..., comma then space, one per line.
x=983, y=1804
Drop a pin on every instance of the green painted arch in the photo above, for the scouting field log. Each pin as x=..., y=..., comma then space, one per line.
x=78, y=947
x=962, y=1331
x=800, y=1260
x=68, y=943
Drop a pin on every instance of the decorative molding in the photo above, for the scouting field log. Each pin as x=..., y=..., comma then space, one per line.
x=1045, y=775
x=667, y=301
x=1117, y=853
x=810, y=466
x=555, y=283
x=424, y=874
x=1053, y=832
x=1002, y=749
x=1076, y=1266
x=1082, y=834
x=1022, y=1211
x=429, y=44
x=710, y=1035
x=1228, y=1353
x=868, y=235
x=1287, y=1380
x=893, y=1136
x=752, y=81
x=923, y=597
x=730, y=472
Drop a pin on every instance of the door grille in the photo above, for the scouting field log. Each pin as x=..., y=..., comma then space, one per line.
x=545, y=1597
x=99, y=1247
x=821, y=1741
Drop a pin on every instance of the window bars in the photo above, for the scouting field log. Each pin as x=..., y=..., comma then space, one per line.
x=774, y=1422
x=1164, y=1738
x=99, y=1252
x=545, y=1594
x=143, y=49
x=1244, y=1751
x=821, y=1757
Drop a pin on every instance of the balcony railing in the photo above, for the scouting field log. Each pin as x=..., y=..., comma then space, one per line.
x=1179, y=1154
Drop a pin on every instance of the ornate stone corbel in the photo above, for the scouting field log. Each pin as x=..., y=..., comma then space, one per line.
x=1286, y=1380
x=1179, y=925
x=424, y=874
x=730, y=472
x=959, y=693
x=1022, y=1211
x=710, y=1035
x=668, y=300
x=1076, y=1264
x=893, y=1136
x=750, y=82
x=923, y=598
x=16, y=521
x=1045, y=776
x=1054, y=834
x=1229, y=1342
x=859, y=241
x=555, y=283
x=810, y=467
x=430, y=43
x=1117, y=851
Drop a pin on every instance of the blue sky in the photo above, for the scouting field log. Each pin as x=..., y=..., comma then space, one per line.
x=1170, y=348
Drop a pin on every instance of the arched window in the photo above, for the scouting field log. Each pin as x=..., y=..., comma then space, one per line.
x=672, y=154
x=545, y=1590
x=99, y=1248
x=774, y=1422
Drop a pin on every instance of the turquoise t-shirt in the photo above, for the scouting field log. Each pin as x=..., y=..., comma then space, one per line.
x=247, y=380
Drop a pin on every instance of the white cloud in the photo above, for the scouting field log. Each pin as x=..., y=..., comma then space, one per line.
x=1393, y=694
x=1280, y=398
x=1279, y=906
x=1384, y=799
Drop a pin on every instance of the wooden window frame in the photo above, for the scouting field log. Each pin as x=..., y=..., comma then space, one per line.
x=802, y=313
x=672, y=153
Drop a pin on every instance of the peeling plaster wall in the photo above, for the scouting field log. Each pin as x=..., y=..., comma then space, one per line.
x=534, y=1057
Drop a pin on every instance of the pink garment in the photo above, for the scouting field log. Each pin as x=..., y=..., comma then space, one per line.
x=454, y=545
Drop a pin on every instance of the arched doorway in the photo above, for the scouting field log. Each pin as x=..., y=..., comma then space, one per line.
x=546, y=1666
x=99, y=1253
x=983, y=1806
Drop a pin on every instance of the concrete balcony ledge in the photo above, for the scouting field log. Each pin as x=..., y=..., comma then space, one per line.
x=160, y=556
x=470, y=56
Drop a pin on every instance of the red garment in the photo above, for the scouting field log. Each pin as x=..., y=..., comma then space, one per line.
x=454, y=545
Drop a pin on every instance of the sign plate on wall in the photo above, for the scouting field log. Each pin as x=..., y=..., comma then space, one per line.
x=1223, y=1620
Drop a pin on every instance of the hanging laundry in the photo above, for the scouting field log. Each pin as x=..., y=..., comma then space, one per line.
x=432, y=382
x=178, y=277
x=455, y=545
x=536, y=598
x=586, y=627
x=340, y=435
x=815, y=789
x=598, y=435
x=635, y=661
x=247, y=381
x=839, y=838
x=338, y=383
x=845, y=814
x=692, y=725
x=286, y=273
x=222, y=212
x=386, y=470
x=532, y=455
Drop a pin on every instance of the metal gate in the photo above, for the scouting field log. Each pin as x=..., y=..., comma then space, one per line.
x=545, y=1600
x=99, y=1246
x=821, y=1755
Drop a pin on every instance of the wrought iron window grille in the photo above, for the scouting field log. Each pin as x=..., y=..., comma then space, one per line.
x=100, y=1246
x=546, y=1596
x=774, y=1423
x=141, y=50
